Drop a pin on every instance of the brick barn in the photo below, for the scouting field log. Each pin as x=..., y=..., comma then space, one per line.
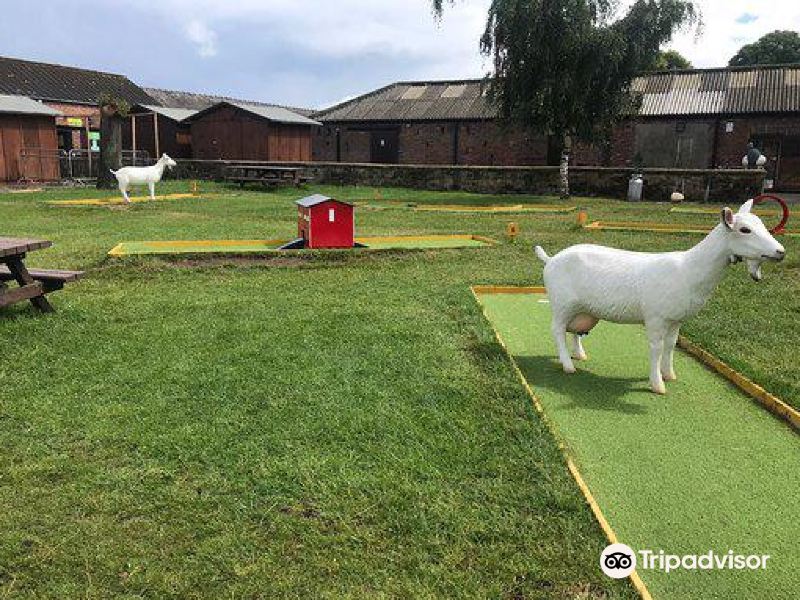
x=27, y=140
x=236, y=131
x=423, y=122
x=688, y=119
x=72, y=91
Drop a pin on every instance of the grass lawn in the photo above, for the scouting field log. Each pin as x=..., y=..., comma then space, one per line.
x=310, y=425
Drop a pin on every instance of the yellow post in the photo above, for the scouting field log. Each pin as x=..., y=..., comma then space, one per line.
x=193, y=188
x=512, y=230
x=583, y=218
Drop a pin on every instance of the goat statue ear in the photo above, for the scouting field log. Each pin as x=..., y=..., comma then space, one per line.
x=746, y=207
x=727, y=217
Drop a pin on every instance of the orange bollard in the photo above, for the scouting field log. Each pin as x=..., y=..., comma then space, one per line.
x=583, y=218
x=512, y=230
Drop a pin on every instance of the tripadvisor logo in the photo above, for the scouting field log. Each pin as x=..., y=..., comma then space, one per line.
x=619, y=561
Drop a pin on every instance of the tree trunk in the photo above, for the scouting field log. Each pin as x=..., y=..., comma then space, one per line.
x=110, y=147
x=566, y=147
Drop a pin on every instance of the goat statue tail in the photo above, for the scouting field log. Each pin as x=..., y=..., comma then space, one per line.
x=541, y=254
x=113, y=172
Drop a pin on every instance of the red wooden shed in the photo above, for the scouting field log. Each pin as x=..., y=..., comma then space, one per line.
x=324, y=222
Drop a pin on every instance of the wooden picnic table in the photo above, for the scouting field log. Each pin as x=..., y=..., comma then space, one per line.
x=31, y=285
x=264, y=174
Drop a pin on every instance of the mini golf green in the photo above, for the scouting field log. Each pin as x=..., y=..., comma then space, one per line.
x=399, y=242
x=702, y=468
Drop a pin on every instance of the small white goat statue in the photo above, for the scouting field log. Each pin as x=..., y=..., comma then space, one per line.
x=128, y=176
x=587, y=283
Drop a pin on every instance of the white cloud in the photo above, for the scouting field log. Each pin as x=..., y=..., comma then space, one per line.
x=203, y=37
x=724, y=31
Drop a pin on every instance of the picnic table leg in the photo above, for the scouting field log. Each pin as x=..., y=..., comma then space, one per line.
x=20, y=273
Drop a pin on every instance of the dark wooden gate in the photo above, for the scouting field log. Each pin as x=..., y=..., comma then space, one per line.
x=384, y=147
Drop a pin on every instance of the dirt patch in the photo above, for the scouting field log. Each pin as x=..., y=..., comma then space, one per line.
x=281, y=261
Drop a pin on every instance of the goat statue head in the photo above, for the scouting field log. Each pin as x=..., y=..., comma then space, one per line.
x=749, y=240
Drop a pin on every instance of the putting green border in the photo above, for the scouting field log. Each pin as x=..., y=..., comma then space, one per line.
x=119, y=250
x=704, y=210
x=495, y=208
x=652, y=227
x=114, y=201
x=477, y=290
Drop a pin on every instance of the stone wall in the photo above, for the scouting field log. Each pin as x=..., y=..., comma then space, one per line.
x=728, y=185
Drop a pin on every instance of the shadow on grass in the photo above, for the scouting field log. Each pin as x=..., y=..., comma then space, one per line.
x=584, y=389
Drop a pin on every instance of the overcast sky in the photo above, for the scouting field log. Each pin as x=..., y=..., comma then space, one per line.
x=306, y=52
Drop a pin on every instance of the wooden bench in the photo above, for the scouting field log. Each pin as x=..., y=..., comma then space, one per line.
x=49, y=280
x=265, y=175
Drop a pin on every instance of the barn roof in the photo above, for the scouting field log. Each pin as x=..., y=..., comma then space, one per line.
x=276, y=114
x=57, y=83
x=175, y=114
x=416, y=101
x=723, y=91
x=22, y=105
x=197, y=102
x=315, y=199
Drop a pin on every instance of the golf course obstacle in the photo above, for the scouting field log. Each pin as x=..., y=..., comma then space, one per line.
x=588, y=283
x=323, y=222
x=703, y=469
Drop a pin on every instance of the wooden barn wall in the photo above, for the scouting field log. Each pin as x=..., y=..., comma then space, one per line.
x=231, y=134
x=19, y=132
x=289, y=143
x=169, y=134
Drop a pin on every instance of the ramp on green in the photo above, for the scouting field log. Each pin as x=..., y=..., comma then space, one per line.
x=232, y=247
x=703, y=468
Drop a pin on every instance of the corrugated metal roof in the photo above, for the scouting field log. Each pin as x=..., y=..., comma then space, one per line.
x=58, y=83
x=176, y=114
x=317, y=199
x=729, y=91
x=176, y=99
x=22, y=105
x=415, y=101
x=769, y=89
x=276, y=113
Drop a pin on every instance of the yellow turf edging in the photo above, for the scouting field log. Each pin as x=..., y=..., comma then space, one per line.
x=119, y=249
x=769, y=401
x=651, y=227
x=495, y=208
x=611, y=536
x=116, y=200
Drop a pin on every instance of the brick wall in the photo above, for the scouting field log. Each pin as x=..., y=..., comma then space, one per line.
x=431, y=143
x=729, y=185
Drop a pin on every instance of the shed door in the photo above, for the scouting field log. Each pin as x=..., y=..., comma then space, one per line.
x=384, y=146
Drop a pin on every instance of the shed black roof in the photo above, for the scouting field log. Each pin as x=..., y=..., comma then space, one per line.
x=191, y=100
x=58, y=83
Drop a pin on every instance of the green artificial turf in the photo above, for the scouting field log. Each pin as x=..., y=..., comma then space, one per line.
x=703, y=468
x=320, y=424
x=258, y=246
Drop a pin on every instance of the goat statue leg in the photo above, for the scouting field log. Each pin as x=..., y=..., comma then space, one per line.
x=667, y=366
x=656, y=332
x=578, y=353
x=559, y=330
x=152, y=187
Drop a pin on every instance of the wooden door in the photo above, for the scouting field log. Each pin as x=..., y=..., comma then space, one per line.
x=384, y=146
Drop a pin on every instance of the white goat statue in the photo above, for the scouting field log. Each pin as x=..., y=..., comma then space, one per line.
x=128, y=176
x=587, y=283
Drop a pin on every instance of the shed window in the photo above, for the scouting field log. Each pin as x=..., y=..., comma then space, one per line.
x=331, y=215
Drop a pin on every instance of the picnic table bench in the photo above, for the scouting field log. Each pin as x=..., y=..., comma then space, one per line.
x=31, y=284
x=265, y=174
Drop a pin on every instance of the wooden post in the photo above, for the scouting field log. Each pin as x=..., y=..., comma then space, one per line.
x=155, y=130
x=133, y=137
x=89, y=145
